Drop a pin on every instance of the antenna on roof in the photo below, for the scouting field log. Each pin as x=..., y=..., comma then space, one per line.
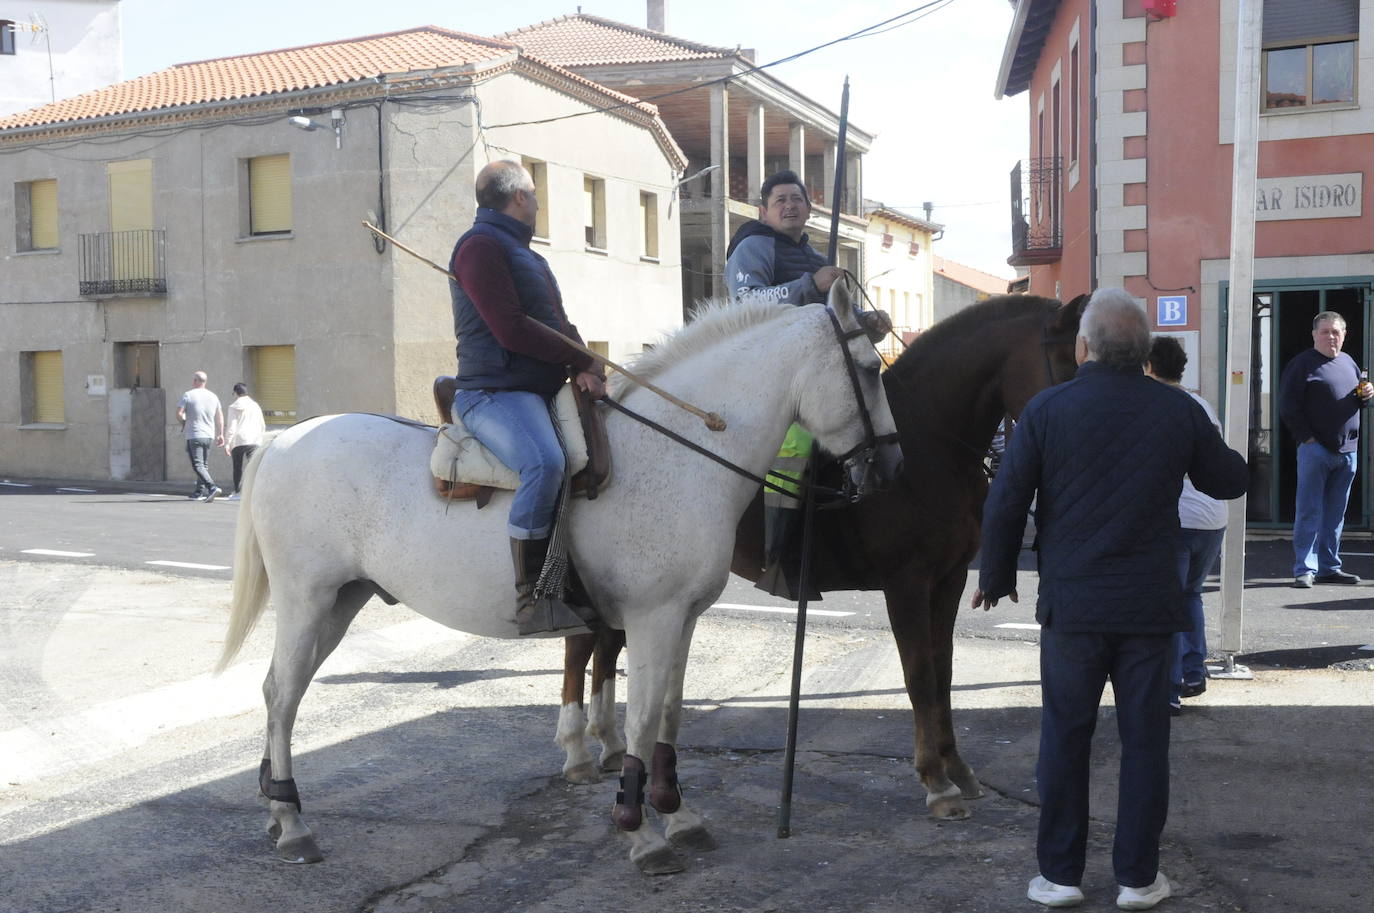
x=39, y=26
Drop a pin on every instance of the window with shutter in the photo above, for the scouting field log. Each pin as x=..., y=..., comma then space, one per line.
x=45, y=400
x=274, y=383
x=594, y=212
x=43, y=214
x=269, y=194
x=648, y=218
x=1310, y=53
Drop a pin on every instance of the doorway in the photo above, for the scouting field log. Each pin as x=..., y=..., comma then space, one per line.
x=1282, y=314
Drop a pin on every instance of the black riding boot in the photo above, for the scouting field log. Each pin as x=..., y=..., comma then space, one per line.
x=541, y=615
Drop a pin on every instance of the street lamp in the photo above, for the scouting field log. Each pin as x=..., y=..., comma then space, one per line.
x=336, y=119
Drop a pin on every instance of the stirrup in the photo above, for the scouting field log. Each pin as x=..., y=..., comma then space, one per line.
x=548, y=616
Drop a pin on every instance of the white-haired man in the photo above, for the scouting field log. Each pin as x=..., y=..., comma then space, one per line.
x=1105, y=456
x=508, y=370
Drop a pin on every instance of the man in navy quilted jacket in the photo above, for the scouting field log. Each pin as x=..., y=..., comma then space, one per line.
x=509, y=369
x=1104, y=455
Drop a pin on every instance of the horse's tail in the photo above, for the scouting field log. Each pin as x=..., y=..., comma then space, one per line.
x=251, y=586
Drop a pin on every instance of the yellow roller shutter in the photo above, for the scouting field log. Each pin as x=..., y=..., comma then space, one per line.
x=43, y=214
x=131, y=195
x=47, y=388
x=275, y=384
x=131, y=209
x=269, y=194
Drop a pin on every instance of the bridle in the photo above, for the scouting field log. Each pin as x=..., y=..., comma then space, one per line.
x=864, y=454
x=858, y=460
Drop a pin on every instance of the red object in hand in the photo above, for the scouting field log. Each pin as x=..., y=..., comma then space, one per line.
x=1160, y=9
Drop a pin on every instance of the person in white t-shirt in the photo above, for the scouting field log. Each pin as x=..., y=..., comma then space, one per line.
x=1202, y=522
x=203, y=424
x=246, y=430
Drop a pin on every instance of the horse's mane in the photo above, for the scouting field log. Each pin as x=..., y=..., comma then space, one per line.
x=715, y=321
x=968, y=324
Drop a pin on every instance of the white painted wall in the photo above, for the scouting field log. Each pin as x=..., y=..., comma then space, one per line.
x=87, y=52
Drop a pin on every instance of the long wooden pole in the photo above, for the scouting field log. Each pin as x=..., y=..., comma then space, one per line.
x=789, y=760
x=712, y=420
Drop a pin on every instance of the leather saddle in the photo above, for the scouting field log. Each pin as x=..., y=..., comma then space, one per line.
x=586, y=483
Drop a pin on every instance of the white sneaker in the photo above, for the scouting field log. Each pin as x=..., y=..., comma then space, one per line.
x=1042, y=890
x=1144, y=898
x=233, y=497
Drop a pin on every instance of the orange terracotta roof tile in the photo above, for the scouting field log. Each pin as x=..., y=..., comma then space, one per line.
x=287, y=70
x=967, y=275
x=582, y=40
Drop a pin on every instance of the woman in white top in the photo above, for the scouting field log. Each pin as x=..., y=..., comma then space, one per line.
x=245, y=433
x=1202, y=521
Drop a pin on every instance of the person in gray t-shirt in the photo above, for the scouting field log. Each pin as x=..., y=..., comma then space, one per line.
x=203, y=424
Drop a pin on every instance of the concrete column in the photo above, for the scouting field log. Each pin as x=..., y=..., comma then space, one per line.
x=720, y=187
x=828, y=171
x=796, y=151
x=754, y=140
x=853, y=182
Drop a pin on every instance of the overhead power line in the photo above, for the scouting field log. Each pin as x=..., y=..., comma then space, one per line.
x=877, y=28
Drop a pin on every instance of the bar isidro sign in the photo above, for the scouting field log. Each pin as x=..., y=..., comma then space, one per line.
x=1312, y=196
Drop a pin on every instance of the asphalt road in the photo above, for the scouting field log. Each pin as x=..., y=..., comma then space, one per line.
x=86, y=524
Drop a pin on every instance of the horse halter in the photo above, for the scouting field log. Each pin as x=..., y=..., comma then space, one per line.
x=859, y=459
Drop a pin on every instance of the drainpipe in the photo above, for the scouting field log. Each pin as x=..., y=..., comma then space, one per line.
x=1092, y=148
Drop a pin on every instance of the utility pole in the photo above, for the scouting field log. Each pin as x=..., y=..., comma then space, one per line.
x=1240, y=316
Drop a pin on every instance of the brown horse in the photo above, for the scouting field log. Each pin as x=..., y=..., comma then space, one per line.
x=947, y=392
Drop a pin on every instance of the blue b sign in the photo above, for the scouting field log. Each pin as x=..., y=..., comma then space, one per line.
x=1172, y=311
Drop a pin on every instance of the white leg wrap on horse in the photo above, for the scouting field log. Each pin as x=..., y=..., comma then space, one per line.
x=578, y=766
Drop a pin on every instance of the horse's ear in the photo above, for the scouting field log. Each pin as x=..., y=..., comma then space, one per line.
x=841, y=300
x=1067, y=317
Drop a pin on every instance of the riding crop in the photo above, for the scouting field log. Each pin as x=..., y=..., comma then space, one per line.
x=712, y=420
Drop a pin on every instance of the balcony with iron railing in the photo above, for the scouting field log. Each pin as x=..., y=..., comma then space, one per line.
x=123, y=263
x=1037, y=225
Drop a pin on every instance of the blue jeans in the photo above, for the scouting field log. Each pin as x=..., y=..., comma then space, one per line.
x=1074, y=667
x=1324, y=480
x=198, y=449
x=515, y=426
x=1197, y=555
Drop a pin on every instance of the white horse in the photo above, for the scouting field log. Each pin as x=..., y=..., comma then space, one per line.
x=340, y=508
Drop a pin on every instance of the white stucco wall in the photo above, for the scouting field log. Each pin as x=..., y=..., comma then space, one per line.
x=87, y=52
x=903, y=282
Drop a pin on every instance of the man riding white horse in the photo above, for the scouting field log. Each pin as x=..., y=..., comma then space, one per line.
x=508, y=370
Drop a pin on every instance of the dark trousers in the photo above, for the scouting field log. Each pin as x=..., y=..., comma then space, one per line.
x=198, y=449
x=1074, y=668
x=241, y=455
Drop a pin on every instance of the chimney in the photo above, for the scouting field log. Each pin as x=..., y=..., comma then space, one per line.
x=658, y=15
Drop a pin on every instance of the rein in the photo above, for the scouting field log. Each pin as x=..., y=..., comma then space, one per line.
x=717, y=458
x=864, y=451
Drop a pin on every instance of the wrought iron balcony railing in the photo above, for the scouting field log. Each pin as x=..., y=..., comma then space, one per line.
x=1037, y=225
x=124, y=263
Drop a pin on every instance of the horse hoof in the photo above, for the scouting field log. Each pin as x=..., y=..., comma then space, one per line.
x=974, y=792
x=299, y=850
x=613, y=761
x=582, y=773
x=949, y=808
x=696, y=839
x=662, y=861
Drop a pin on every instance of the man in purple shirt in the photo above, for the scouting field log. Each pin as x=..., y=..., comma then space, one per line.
x=1320, y=395
x=509, y=368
